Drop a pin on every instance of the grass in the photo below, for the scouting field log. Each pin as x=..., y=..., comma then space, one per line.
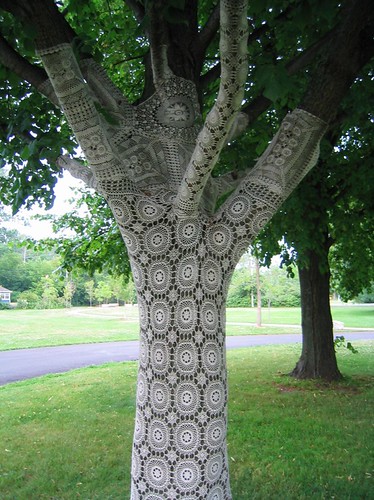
x=37, y=328
x=69, y=436
x=33, y=328
x=351, y=316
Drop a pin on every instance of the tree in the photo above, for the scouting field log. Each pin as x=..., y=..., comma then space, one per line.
x=68, y=290
x=152, y=161
x=50, y=297
x=327, y=225
x=103, y=292
x=90, y=289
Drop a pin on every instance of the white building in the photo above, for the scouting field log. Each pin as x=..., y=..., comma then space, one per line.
x=5, y=295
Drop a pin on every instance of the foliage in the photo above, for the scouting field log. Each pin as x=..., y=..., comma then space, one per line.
x=94, y=242
x=332, y=210
x=340, y=341
x=35, y=132
x=38, y=280
x=367, y=296
x=277, y=289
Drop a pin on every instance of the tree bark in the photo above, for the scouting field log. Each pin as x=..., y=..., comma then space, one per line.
x=318, y=358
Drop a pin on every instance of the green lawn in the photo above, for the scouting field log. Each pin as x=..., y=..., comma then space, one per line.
x=69, y=436
x=351, y=316
x=36, y=328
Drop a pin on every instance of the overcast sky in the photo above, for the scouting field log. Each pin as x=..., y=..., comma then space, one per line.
x=42, y=229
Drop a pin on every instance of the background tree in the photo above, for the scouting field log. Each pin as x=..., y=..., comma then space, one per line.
x=152, y=160
x=327, y=226
x=103, y=292
x=90, y=288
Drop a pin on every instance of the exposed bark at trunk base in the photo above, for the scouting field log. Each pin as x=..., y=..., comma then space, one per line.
x=318, y=359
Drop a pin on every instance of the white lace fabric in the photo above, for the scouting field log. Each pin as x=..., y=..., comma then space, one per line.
x=148, y=161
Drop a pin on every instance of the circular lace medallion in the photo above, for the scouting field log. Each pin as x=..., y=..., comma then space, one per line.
x=137, y=275
x=120, y=211
x=187, y=398
x=176, y=112
x=215, y=433
x=211, y=358
x=135, y=464
x=260, y=220
x=238, y=208
x=160, y=276
x=149, y=211
x=157, y=239
x=139, y=428
x=188, y=232
x=187, y=475
x=215, y=396
x=160, y=396
x=219, y=238
x=160, y=357
x=187, y=436
x=160, y=316
x=157, y=472
x=214, y=468
x=143, y=352
x=158, y=435
x=216, y=494
x=209, y=316
x=186, y=314
x=130, y=242
x=187, y=272
x=186, y=357
x=142, y=388
x=211, y=276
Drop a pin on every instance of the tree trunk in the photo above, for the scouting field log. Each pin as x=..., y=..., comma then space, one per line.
x=318, y=358
x=179, y=446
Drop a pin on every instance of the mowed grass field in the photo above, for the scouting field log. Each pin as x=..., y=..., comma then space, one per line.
x=38, y=328
x=69, y=436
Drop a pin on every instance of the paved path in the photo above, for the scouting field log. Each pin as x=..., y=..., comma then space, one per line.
x=20, y=364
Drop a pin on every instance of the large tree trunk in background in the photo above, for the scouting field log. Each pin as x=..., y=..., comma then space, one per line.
x=318, y=358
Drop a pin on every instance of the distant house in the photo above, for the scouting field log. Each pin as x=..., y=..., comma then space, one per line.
x=5, y=295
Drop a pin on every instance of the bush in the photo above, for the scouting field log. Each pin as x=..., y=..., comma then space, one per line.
x=28, y=300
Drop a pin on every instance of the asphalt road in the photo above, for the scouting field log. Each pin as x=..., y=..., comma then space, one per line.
x=22, y=364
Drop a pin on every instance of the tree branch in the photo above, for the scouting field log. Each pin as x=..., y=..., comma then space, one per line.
x=291, y=154
x=51, y=26
x=348, y=52
x=158, y=39
x=233, y=50
x=77, y=170
x=207, y=33
x=108, y=94
x=261, y=103
x=137, y=8
x=35, y=75
x=213, y=73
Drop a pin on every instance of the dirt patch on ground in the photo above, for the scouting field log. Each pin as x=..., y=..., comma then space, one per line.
x=352, y=386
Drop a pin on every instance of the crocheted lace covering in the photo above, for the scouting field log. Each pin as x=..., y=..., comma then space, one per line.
x=152, y=162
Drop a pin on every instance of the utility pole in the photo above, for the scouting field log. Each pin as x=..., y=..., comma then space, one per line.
x=258, y=285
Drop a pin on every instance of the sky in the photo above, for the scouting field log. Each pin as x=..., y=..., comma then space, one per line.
x=43, y=229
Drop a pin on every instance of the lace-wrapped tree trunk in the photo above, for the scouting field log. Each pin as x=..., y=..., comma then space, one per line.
x=152, y=163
